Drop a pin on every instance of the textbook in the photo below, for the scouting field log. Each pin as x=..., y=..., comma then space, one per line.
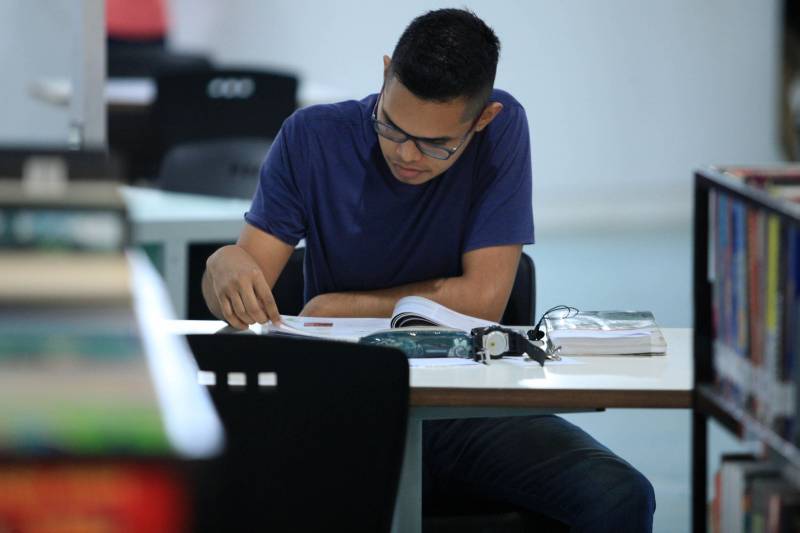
x=410, y=311
x=605, y=333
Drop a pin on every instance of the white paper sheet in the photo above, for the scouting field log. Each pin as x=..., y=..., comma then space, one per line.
x=346, y=329
x=425, y=362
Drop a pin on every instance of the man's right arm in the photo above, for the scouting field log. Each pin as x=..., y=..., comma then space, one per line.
x=238, y=281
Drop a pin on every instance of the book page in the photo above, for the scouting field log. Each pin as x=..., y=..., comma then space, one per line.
x=346, y=329
x=419, y=311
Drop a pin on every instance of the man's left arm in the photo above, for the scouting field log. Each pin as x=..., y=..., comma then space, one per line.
x=481, y=291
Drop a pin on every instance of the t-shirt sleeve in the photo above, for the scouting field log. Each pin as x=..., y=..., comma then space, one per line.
x=502, y=209
x=277, y=206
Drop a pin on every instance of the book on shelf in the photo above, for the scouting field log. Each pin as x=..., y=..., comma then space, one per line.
x=80, y=216
x=605, y=333
x=409, y=311
x=754, y=269
x=84, y=432
x=733, y=498
x=781, y=182
x=73, y=373
x=751, y=494
x=101, y=495
x=787, y=513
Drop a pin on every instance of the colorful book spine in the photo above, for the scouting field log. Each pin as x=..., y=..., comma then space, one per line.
x=755, y=306
x=100, y=496
x=740, y=274
x=772, y=314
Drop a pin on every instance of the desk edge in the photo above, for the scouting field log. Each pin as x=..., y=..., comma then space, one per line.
x=572, y=398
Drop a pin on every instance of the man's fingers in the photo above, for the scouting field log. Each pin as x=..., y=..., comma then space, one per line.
x=253, y=305
x=238, y=308
x=229, y=315
x=267, y=300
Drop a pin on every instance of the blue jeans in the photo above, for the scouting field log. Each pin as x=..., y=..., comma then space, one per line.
x=540, y=463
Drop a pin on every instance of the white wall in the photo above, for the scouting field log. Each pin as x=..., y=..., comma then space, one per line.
x=624, y=97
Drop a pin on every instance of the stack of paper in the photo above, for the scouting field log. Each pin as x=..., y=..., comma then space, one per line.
x=606, y=333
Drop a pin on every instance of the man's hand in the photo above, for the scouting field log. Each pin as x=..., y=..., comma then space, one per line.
x=238, y=288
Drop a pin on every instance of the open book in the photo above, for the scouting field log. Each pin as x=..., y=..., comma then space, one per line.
x=606, y=333
x=409, y=311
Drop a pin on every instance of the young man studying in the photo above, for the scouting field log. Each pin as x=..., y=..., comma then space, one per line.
x=425, y=189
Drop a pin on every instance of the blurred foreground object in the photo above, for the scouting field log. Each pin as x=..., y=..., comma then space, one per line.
x=91, y=438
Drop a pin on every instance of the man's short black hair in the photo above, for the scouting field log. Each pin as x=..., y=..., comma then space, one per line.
x=446, y=54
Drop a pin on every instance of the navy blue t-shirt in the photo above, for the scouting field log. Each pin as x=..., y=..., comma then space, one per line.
x=326, y=180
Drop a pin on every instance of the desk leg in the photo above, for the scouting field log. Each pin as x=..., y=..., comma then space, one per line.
x=408, y=509
x=699, y=472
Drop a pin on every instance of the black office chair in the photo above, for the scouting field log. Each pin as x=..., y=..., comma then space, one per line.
x=288, y=289
x=148, y=61
x=521, y=306
x=223, y=103
x=204, y=104
x=456, y=515
x=218, y=167
x=315, y=433
x=131, y=129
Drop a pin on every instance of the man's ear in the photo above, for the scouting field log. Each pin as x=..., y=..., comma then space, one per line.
x=491, y=110
x=386, y=62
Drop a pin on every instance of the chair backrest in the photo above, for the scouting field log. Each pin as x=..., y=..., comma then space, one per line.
x=521, y=307
x=315, y=432
x=138, y=61
x=200, y=105
x=288, y=289
x=220, y=167
x=520, y=310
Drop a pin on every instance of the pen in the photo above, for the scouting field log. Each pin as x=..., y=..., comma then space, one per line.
x=317, y=324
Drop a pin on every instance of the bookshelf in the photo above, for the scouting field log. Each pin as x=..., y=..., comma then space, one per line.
x=746, y=317
x=102, y=424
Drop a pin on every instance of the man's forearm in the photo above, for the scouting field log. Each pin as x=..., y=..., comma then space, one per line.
x=459, y=293
x=482, y=290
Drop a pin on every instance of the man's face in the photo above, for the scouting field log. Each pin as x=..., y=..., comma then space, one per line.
x=435, y=123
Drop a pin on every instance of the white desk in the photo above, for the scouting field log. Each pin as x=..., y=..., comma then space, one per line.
x=511, y=388
x=173, y=221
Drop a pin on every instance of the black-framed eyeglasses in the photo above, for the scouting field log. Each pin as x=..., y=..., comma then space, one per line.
x=430, y=149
